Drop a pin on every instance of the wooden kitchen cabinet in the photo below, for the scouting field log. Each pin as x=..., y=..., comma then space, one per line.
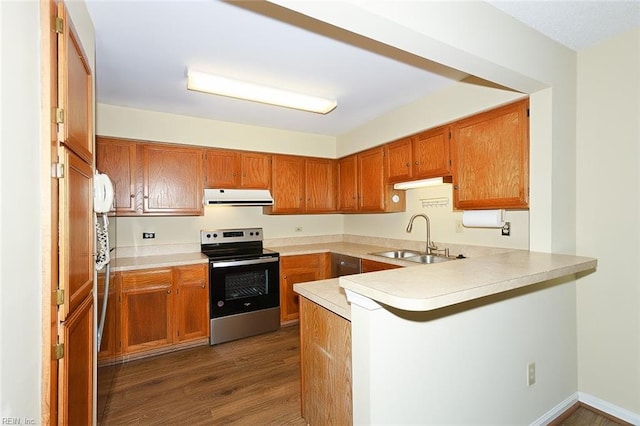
x=325, y=366
x=321, y=185
x=368, y=265
x=109, y=346
x=147, y=309
x=192, y=302
x=229, y=169
x=117, y=158
x=161, y=307
x=303, y=185
x=491, y=159
x=171, y=180
x=348, y=184
x=287, y=189
x=421, y=156
x=374, y=194
x=298, y=269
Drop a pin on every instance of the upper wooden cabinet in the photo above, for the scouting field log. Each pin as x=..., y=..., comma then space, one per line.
x=491, y=159
x=117, y=158
x=362, y=184
x=152, y=178
x=233, y=169
x=422, y=156
x=303, y=185
x=321, y=185
x=171, y=180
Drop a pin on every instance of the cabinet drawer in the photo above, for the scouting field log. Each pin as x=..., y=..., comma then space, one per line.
x=148, y=278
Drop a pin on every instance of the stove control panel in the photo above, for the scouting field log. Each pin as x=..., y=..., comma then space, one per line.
x=221, y=236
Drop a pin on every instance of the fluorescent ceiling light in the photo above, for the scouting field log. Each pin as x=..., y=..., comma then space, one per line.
x=223, y=86
x=419, y=183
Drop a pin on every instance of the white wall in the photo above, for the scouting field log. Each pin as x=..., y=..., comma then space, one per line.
x=20, y=258
x=607, y=222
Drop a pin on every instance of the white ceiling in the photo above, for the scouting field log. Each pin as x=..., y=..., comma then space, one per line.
x=143, y=50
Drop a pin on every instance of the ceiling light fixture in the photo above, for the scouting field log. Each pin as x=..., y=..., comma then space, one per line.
x=223, y=86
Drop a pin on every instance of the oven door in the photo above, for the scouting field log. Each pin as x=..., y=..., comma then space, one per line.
x=243, y=285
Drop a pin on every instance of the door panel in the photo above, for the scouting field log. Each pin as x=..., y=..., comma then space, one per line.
x=76, y=231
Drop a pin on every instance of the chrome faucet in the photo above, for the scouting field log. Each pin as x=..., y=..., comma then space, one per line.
x=430, y=245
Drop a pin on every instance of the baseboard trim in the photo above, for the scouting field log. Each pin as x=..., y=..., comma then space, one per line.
x=553, y=415
x=556, y=411
x=609, y=408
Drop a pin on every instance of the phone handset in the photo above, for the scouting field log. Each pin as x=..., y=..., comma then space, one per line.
x=102, y=193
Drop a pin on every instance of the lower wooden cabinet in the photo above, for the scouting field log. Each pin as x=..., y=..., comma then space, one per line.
x=325, y=366
x=156, y=309
x=372, y=266
x=298, y=269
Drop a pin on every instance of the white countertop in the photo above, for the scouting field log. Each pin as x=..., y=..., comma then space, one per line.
x=157, y=261
x=428, y=287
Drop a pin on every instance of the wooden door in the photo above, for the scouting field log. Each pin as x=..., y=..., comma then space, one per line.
x=321, y=182
x=432, y=154
x=491, y=159
x=117, y=158
x=146, y=309
x=222, y=169
x=192, y=302
x=348, y=184
x=371, y=180
x=287, y=184
x=399, y=159
x=299, y=269
x=172, y=180
x=256, y=170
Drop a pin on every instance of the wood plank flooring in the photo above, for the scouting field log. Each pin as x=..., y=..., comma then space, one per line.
x=253, y=381
x=208, y=385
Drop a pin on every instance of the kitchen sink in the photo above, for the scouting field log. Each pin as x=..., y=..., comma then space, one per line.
x=398, y=254
x=427, y=258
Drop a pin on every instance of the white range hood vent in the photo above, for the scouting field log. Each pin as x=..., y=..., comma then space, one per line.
x=237, y=197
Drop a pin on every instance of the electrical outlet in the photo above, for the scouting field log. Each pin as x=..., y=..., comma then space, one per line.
x=506, y=229
x=298, y=229
x=531, y=373
x=147, y=235
x=459, y=227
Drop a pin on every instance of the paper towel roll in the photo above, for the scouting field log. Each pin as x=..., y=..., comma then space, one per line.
x=483, y=218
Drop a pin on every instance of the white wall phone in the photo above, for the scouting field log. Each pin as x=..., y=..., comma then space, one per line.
x=103, y=196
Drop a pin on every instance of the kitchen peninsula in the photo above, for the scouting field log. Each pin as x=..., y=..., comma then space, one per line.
x=452, y=342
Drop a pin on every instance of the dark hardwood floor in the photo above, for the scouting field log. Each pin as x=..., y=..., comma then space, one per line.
x=253, y=381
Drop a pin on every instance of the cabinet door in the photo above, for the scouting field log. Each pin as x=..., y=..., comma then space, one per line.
x=117, y=158
x=491, y=159
x=348, y=184
x=192, y=302
x=320, y=185
x=325, y=366
x=172, y=180
x=298, y=269
x=399, y=161
x=431, y=153
x=256, y=170
x=371, y=180
x=287, y=184
x=372, y=266
x=147, y=309
x=222, y=169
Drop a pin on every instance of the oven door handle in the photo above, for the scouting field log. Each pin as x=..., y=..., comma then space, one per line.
x=226, y=264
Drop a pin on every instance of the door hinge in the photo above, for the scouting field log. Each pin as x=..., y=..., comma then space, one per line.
x=528, y=112
x=59, y=25
x=57, y=170
x=59, y=113
x=449, y=135
x=59, y=297
x=58, y=351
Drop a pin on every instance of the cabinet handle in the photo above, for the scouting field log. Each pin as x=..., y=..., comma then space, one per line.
x=417, y=162
x=408, y=165
x=202, y=285
x=146, y=197
x=235, y=174
x=168, y=291
x=132, y=195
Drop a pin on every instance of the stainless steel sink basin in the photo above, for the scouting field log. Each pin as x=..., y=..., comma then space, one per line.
x=398, y=254
x=428, y=258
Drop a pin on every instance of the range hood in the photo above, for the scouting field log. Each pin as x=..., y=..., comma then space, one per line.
x=237, y=197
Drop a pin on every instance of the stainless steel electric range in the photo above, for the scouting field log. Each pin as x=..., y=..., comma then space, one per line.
x=244, y=284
